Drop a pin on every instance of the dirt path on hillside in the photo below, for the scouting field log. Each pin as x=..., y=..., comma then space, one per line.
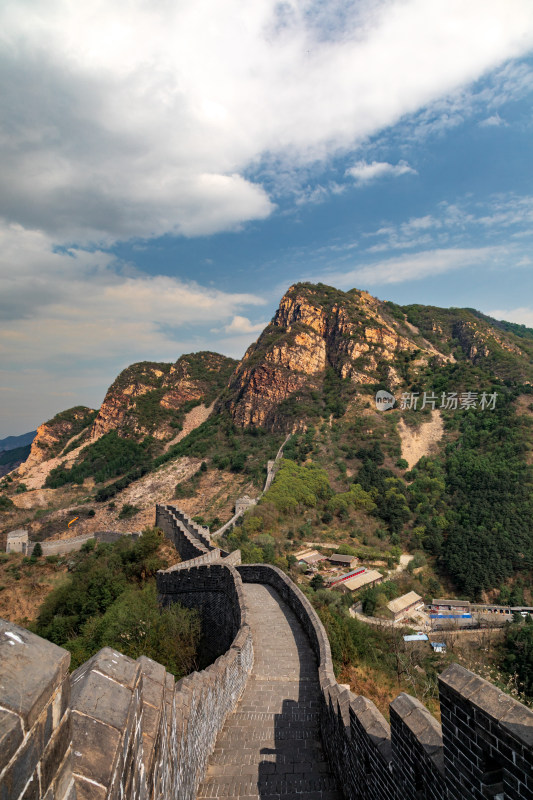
x=193, y=419
x=36, y=475
x=430, y=347
x=421, y=442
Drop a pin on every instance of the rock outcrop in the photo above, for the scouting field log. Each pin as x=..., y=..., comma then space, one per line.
x=54, y=435
x=151, y=398
x=315, y=327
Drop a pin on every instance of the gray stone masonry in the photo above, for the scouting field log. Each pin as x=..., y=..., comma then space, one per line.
x=120, y=729
x=488, y=739
x=270, y=745
x=484, y=750
x=34, y=717
x=216, y=591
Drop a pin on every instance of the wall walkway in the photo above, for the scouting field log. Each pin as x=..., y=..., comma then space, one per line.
x=118, y=728
x=271, y=745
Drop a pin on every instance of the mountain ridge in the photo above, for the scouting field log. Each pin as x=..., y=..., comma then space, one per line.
x=314, y=371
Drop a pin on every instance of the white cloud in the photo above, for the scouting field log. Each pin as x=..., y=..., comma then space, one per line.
x=243, y=325
x=522, y=316
x=502, y=216
x=72, y=319
x=494, y=121
x=132, y=119
x=364, y=173
x=505, y=84
x=415, y=267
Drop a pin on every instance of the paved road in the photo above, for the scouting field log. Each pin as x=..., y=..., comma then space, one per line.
x=270, y=746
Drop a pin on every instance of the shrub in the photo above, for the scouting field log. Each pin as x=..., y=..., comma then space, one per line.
x=5, y=503
x=128, y=510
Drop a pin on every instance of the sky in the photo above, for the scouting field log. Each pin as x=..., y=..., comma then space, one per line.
x=168, y=169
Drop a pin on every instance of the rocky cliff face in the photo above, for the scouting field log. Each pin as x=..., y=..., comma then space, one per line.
x=52, y=436
x=316, y=331
x=150, y=398
x=121, y=397
x=315, y=327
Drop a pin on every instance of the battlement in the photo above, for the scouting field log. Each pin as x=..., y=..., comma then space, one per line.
x=189, y=539
x=484, y=748
x=121, y=728
x=118, y=727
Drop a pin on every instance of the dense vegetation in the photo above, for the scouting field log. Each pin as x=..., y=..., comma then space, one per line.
x=110, y=599
x=109, y=456
x=518, y=659
x=489, y=486
x=230, y=447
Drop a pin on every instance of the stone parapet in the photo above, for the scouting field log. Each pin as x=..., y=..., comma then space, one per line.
x=35, y=724
x=483, y=750
x=119, y=728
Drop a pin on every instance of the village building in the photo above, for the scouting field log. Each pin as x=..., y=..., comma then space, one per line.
x=370, y=577
x=339, y=560
x=416, y=637
x=460, y=606
x=17, y=541
x=309, y=557
x=404, y=605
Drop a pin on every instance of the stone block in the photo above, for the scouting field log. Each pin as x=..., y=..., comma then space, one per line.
x=518, y=722
x=10, y=736
x=101, y=698
x=32, y=669
x=152, y=692
x=32, y=791
x=94, y=748
x=150, y=721
x=152, y=669
x=23, y=766
x=55, y=753
x=87, y=790
x=120, y=668
x=490, y=700
x=63, y=777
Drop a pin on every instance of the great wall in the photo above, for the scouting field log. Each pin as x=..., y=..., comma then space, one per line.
x=267, y=719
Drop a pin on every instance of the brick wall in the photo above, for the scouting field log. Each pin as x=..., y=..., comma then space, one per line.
x=216, y=591
x=483, y=750
x=35, y=732
x=120, y=728
x=183, y=533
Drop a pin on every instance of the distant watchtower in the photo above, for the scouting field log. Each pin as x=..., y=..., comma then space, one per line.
x=244, y=503
x=17, y=541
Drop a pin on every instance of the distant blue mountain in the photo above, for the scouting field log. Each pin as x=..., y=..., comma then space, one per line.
x=11, y=442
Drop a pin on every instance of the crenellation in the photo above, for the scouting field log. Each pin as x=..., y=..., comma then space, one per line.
x=416, y=739
x=119, y=728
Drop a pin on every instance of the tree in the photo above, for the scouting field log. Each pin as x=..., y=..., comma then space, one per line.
x=37, y=550
x=317, y=582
